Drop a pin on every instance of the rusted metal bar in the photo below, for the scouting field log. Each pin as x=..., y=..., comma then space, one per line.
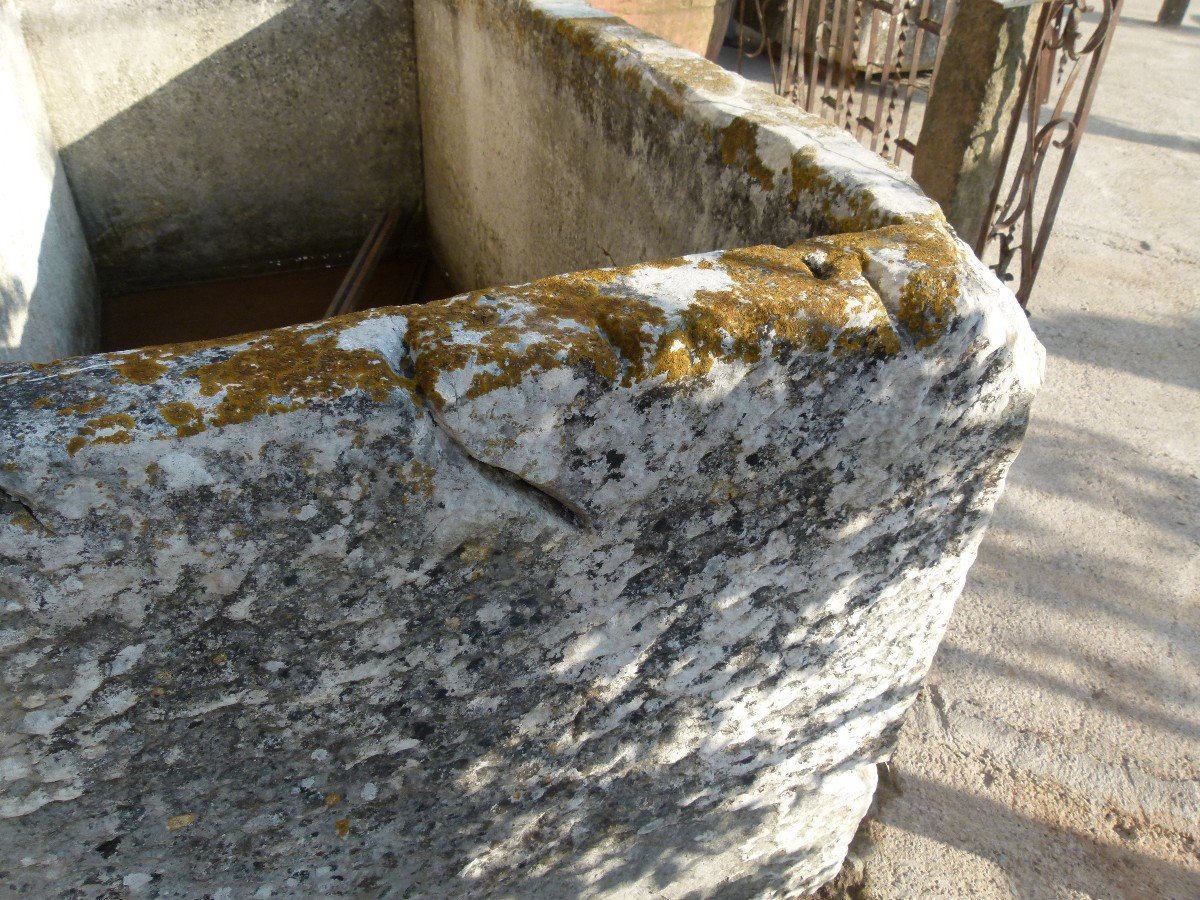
x=1083, y=108
x=885, y=75
x=832, y=28
x=846, y=62
x=349, y=293
x=785, y=53
x=835, y=60
x=871, y=47
x=799, y=41
x=910, y=84
x=1015, y=227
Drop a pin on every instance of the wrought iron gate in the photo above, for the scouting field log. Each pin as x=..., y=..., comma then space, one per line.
x=1020, y=226
x=859, y=63
x=869, y=65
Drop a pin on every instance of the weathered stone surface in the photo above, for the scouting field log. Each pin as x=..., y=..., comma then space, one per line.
x=47, y=285
x=217, y=138
x=613, y=583
x=557, y=138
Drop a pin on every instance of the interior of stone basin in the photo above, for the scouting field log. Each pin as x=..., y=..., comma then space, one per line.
x=197, y=168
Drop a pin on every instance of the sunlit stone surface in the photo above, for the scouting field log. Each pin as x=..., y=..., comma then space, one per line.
x=614, y=583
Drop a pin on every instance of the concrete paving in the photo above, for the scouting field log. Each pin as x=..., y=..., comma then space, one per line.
x=1055, y=748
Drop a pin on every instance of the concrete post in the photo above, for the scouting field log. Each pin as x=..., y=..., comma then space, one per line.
x=960, y=149
x=1172, y=12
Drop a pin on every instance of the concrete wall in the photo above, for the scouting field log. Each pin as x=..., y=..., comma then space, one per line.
x=558, y=138
x=47, y=287
x=212, y=137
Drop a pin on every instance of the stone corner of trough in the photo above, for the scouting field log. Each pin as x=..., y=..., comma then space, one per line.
x=614, y=581
x=646, y=562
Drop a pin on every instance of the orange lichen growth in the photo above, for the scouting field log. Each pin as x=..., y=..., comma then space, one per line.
x=739, y=147
x=82, y=408
x=141, y=367
x=283, y=370
x=113, y=428
x=775, y=299
x=841, y=206
x=591, y=319
x=813, y=296
x=266, y=373
x=185, y=417
x=928, y=298
x=565, y=320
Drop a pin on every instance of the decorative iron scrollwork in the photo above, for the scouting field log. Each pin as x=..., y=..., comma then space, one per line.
x=1061, y=54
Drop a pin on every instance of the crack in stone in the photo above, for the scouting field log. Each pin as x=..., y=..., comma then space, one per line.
x=889, y=301
x=9, y=497
x=558, y=507
x=566, y=512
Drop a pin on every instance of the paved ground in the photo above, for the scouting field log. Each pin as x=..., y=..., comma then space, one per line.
x=1055, y=749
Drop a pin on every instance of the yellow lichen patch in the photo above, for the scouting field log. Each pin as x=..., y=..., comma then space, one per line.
x=928, y=299
x=332, y=800
x=841, y=208
x=270, y=372
x=775, y=299
x=588, y=318
x=25, y=522
x=417, y=477
x=185, y=417
x=342, y=827
x=564, y=320
x=141, y=367
x=475, y=553
x=84, y=407
x=283, y=370
x=113, y=428
x=116, y=425
x=587, y=35
x=683, y=72
x=183, y=820
x=723, y=491
x=739, y=147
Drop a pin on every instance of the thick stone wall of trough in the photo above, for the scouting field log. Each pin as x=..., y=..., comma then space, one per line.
x=612, y=584
x=206, y=138
x=47, y=284
x=557, y=138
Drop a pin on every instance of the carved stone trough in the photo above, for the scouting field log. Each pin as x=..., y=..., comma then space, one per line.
x=612, y=583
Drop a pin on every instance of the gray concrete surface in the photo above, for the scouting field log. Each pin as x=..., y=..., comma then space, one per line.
x=47, y=285
x=1055, y=749
x=215, y=137
x=558, y=139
